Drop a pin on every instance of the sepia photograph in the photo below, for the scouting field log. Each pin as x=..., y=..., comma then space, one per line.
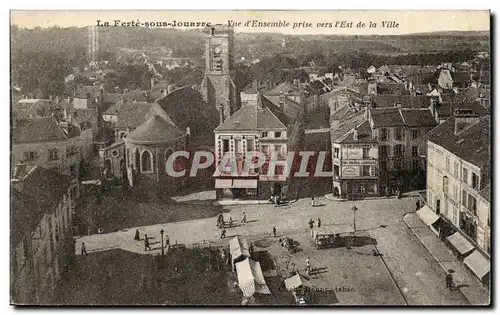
x=250, y=158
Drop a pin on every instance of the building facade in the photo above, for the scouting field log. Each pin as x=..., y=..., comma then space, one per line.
x=260, y=127
x=42, y=246
x=458, y=179
x=355, y=155
x=49, y=144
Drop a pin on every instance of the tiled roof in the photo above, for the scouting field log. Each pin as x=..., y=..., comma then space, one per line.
x=37, y=129
x=418, y=117
x=347, y=122
x=471, y=144
x=286, y=87
x=156, y=129
x=186, y=107
x=406, y=101
x=318, y=119
x=132, y=115
x=251, y=117
x=364, y=134
x=83, y=91
x=386, y=117
x=445, y=110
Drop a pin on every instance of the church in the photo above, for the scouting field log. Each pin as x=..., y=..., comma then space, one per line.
x=182, y=120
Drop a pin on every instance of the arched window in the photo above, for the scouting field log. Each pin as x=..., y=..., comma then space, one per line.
x=123, y=135
x=168, y=153
x=146, y=161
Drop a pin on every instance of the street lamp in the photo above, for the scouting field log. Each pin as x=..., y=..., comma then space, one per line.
x=354, y=209
x=162, y=248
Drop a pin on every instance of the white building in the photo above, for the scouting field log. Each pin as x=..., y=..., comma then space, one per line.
x=458, y=186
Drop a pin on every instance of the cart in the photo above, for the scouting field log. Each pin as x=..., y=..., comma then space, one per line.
x=333, y=236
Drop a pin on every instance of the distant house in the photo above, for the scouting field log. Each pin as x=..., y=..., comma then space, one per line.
x=371, y=70
x=47, y=143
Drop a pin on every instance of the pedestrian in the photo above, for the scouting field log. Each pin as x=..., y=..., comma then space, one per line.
x=308, y=266
x=84, y=250
x=313, y=203
x=251, y=249
x=274, y=231
x=319, y=222
x=137, y=235
x=449, y=281
x=244, y=218
x=311, y=224
x=223, y=233
x=418, y=205
x=146, y=243
x=230, y=221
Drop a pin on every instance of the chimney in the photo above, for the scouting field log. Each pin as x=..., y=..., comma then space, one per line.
x=335, y=123
x=281, y=101
x=355, y=133
x=221, y=113
x=464, y=118
x=259, y=101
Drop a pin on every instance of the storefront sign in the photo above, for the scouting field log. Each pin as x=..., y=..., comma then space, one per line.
x=350, y=171
x=359, y=162
x=359, y=146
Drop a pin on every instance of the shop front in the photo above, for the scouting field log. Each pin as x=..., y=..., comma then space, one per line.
x=236, y=188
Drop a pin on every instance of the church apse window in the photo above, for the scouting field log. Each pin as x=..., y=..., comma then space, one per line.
x=146, y=161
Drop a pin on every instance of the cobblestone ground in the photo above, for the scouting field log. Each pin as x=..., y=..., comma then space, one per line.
x=418, y=280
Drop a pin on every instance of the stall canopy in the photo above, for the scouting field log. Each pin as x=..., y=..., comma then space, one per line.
x=427, y=215
x=238, y=247
x=460, y=243
x=250, y=278
x=334, y=229
x=295, y=282
x=479, y=264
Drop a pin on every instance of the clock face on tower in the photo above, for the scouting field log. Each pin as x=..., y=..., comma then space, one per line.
x=217, y=50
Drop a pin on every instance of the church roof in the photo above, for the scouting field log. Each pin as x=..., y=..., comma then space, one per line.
x=156, y=129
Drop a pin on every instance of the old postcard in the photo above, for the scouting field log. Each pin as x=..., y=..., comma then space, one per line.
x=250, y=158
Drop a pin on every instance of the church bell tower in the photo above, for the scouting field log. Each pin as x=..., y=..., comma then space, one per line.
x=218, y=88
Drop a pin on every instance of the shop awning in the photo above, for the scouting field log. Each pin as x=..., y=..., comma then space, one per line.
x=250, y=278
x=238, y=247
x=295, y=282
x=223, y=183
x=427, y=215
x=479, y=264
x=235, y=183
x=244, y=183
x=460, y=243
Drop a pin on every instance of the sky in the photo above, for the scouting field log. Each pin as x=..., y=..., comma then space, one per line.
x=317, y=22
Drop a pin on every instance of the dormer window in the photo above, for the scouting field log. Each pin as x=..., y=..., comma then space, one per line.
x=264, y=134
